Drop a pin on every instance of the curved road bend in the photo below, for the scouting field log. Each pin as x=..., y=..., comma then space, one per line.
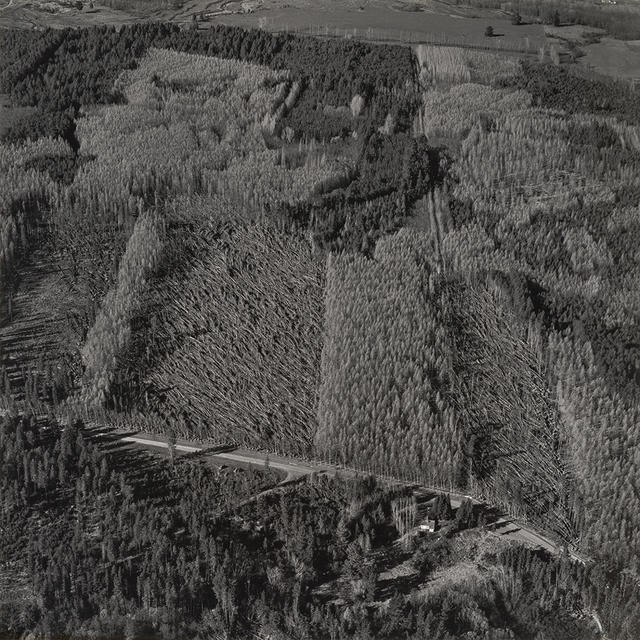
x=504, y=527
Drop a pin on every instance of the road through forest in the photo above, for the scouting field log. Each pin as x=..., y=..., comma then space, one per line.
x=504, y=527
x=16, y=349
x=30, y=334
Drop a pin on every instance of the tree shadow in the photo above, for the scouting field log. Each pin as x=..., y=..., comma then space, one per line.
x=385, y=589
x=491, y=514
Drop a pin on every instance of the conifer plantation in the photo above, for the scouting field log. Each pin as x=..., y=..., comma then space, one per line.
x=312, y=338
x=385, y=398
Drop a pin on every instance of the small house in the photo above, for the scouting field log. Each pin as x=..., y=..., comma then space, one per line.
x=428, y=525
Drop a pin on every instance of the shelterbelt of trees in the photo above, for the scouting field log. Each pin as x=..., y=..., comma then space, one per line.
x=319, y=259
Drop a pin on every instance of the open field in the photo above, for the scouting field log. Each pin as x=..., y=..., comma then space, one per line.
x=383, y=20
x=427, y=22
x=375, y=19
x=621, y=18
x=594, y=50
x=27, y=14
x=614, y=58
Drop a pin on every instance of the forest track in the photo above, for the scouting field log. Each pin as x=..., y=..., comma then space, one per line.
x=505, y=527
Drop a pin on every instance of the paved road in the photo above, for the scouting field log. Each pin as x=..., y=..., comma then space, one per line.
x=503, y=527
x=238, y=456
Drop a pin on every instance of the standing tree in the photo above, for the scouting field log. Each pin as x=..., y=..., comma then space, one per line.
x=465, y=517
x=355, y=561
x=442, y=507
x=403, y=511
x=171, y=444
x=370, y=581
x=488, y=32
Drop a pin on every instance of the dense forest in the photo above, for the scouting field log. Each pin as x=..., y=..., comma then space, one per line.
x=122, y=544
x=420, y=267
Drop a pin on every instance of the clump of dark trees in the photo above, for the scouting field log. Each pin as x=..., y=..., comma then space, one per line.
x=392, y=173
x=58, y=71
x=557, y=87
